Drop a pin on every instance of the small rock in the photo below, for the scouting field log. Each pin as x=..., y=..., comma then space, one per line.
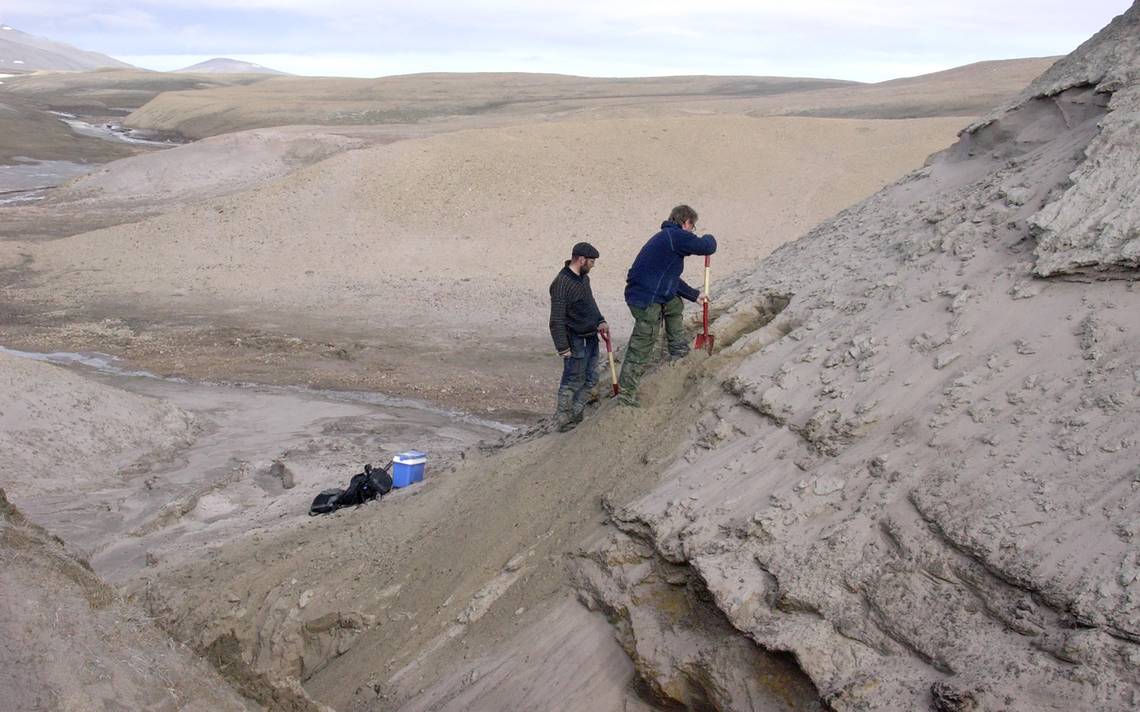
x=306, y=597
x=1025, y=290
x=945, y=360
x=946, y=698
x=1130, y=570
x=282, y=472
x=828, y=485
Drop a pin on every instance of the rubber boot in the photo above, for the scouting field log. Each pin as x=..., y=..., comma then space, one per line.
x=564, y=416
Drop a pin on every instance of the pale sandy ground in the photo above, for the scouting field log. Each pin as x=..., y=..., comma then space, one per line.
x=350, y=272
x=423, y=250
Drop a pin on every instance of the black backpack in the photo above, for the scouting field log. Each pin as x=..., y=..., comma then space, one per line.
x=363, y=487
x=325, y=502
x=381, y=479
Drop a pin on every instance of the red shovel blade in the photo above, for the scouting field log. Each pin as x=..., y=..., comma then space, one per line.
x=704, y=339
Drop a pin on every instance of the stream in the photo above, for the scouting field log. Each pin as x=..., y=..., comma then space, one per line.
x=112, y=131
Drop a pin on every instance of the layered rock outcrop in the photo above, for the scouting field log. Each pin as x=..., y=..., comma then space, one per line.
x=1092, y=224
x=917, y=471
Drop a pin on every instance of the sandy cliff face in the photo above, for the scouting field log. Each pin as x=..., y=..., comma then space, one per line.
x=916, y=470
x=70, y=643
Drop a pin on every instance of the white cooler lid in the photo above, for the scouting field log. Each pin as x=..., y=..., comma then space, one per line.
x=410, y=457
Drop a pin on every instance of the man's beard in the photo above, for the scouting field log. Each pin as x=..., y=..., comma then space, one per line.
x=585, y=268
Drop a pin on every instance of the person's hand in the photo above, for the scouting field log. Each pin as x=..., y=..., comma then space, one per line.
x=564, y=354
x=604, y=330
x=703, y=299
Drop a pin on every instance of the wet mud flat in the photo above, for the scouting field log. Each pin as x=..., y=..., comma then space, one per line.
x=512, y=381
x=184, y=503
x=29, y=175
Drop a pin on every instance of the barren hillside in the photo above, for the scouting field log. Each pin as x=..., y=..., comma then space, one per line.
x=371, y=250
x=421, y=97
x=24, y=52
x=905, y=481
x=964, y=91
x=107, y=90
x=30, y=131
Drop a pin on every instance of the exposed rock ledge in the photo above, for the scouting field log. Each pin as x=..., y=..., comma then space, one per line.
x=919, y=481
x=1092, y=224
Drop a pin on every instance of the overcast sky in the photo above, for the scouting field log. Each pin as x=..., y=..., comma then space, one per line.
x=867, y=40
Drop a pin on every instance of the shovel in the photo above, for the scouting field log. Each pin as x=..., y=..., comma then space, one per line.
x=613, y=370
x=704, y=339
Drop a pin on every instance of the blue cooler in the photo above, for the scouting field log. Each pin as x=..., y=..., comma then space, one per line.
x=408, y=468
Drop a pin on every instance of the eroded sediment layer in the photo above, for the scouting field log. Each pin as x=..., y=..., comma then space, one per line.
x=71, y=643
x=920, y=477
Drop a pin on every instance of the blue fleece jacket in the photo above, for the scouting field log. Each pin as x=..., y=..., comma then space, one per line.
x=655, y=277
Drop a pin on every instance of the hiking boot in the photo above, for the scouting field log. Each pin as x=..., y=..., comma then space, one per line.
x=568, y=421
x=564, y=414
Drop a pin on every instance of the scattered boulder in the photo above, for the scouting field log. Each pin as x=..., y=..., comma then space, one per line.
x=282, y=472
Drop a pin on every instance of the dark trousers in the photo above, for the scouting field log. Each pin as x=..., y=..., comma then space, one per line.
x=579, y=375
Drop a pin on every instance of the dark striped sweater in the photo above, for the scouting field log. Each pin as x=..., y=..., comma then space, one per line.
x=572, y=308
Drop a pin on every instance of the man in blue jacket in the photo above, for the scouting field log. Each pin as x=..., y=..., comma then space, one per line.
x=654, y=288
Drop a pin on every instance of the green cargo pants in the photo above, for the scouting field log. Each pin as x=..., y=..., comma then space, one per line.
x=643, y=341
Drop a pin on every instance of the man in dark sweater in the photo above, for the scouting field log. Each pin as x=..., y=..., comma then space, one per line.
x=575, y=323
x=654, y=289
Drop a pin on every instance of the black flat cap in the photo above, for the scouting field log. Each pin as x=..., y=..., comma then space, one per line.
x=584, y=249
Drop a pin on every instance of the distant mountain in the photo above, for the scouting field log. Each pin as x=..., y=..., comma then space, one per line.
x=20, y=51
x=223, y=65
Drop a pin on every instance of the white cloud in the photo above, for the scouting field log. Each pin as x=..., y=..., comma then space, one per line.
x=125, y=20
x=836, y=38
x=668, y=31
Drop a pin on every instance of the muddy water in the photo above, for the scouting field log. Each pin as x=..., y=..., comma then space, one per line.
x=109, y=131
x=185, y=504
x=30, y=176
